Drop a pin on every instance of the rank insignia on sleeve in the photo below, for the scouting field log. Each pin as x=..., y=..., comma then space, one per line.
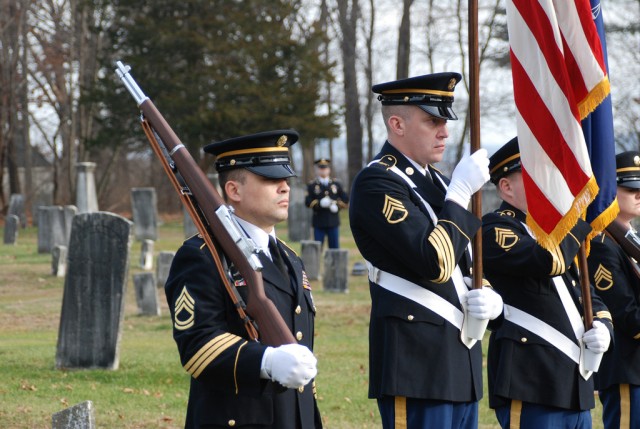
x=184, y=310
x=305, y=281
x=506, y=238
x=603, y=278
x=393, y=210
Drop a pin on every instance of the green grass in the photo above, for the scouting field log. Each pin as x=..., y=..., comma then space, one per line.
x=150, y=388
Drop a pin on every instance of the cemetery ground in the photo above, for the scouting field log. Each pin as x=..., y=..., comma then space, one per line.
x=150, y=387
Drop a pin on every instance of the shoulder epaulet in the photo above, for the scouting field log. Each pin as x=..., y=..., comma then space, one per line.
x=287, y=246
x=509, y=213
x=386, y=162
x=436, y=169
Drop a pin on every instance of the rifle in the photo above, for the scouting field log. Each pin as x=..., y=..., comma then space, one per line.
x=213, y=220
x=628, y=240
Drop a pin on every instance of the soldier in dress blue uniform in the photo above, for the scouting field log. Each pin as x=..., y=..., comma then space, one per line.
x=533, y=361
x=616, y=277
x=236, y=381
x=412, y=226
x=326, y=197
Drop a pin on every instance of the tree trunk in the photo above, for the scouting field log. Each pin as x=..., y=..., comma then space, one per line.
x=404, y=41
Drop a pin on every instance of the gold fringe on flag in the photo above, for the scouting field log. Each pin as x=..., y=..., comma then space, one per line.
x=563, y=227
x=594, y=98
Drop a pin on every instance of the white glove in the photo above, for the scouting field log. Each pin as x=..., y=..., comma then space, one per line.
x=597, y=339
x=468, y=177
x=333, y=208
x=292, y=365
x=484, y=303
x=325, y=202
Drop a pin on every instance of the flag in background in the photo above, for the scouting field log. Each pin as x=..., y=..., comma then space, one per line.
x=599, y=137
x=559, y=77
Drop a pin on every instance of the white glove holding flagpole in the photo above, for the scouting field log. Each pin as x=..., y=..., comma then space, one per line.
x=292, y=365
x=468, y=177
x=484, y=303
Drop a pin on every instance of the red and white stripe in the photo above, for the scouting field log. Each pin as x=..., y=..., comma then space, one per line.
x=558, y=78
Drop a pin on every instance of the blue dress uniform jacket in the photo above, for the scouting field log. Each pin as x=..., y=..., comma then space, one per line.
x=413, y=352
x=521, y=365
x=226, y=388
x=619, y=287
x=323, y=217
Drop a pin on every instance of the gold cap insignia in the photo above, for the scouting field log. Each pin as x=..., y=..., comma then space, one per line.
x=393, y=210
x=184, y=310
x=452, y=84
x=281, y=141
x=603, y=279
x=636, y=160
x=232, y=162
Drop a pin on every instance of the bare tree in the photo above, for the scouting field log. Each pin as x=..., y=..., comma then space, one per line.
x=348, y=15
x=368, y=72
x=404, y=41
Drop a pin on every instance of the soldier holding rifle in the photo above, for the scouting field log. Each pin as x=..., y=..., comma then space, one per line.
x=236, y=381
x=613, y=267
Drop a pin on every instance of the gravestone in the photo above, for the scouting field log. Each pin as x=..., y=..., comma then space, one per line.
x=16, y=207
x=79, y=416
x=187, y=224
x=146, y=254
x=59, y=261
x=334, y=278
x=11, y=227
x=299, y=223
x=86, y=199
x=310, y=252
x=145, y=213
x=54, y=226
x=43, y=197
x=94, y=292
x=164, y=265
x=146, y=294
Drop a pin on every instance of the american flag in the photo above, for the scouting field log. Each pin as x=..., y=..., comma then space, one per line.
x=559, y=77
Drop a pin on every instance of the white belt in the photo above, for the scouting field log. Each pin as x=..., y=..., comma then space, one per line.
x=422, y=296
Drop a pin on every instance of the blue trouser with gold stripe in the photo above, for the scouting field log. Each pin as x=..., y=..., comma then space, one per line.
x=525, y=415
x=621, y=406
x=398, y=412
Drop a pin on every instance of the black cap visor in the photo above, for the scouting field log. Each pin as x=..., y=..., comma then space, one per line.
x=273, y=171
x=631, y=183
x=442, y=112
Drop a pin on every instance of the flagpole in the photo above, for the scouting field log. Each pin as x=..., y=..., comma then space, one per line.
x=474, y=131
x=585, y=287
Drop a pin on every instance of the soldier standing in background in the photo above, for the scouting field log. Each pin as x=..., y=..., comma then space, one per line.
x=326, y=198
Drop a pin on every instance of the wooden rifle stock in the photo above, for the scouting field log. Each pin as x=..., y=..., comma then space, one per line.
x=204, y=205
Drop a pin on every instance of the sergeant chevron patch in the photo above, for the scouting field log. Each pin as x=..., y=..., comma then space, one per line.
x=603, y=278
x=183, y=311
x=506, y=238
x=393, y=210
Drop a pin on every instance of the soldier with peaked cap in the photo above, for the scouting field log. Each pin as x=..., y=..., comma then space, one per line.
x=534, y=376
x=412, y=226
x=326, y=197
x=236, y=381
x=616, y=277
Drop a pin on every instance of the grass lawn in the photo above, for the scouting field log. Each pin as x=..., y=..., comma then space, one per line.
x=150, y=388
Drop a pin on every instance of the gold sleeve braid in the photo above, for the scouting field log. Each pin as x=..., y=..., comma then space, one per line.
x=209, y=352
x=558, y=266
x=441, y=241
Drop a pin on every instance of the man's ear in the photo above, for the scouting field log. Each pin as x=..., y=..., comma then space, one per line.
x=396, y=125
x=232, y=190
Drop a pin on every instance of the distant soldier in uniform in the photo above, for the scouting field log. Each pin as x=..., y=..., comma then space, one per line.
x=326, y=198
x=533, y=361
x=236, y=381
x=412, y=226
x=616, y=277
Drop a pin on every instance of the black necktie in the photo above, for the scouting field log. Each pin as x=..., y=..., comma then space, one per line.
x=276, y=257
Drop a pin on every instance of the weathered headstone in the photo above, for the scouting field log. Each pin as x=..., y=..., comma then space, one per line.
x=310, y=251
x=16, y=207
x=334, y=278
x=79, y=416
x=146, y=254
x=59, y=261
x=43, y=197
x=86, y=199
x=299, y=223
x=164, y=265
x=187, y=224
x=11, y=227
x=144, y=205
x=94, y=292
x=359, y=269
x=54, y=226
x=146, y=294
